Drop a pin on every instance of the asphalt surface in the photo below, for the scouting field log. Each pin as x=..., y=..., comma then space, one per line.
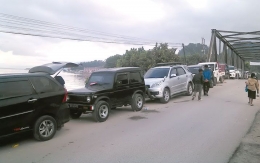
x=182, y=131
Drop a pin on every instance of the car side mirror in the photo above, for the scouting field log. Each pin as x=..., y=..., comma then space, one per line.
x=173, y=75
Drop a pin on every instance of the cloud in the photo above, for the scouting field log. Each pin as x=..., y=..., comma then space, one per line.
x=174, y=21
x=9, y=60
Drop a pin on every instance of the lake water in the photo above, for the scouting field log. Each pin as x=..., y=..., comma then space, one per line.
x=72, y=81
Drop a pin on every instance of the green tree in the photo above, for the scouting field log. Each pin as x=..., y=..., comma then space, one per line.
x=148, y=58
x=112, y=61
x=194, y=59
x=247, y=66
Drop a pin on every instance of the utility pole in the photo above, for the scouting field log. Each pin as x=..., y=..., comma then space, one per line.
x=203, y=45
x=184, y=53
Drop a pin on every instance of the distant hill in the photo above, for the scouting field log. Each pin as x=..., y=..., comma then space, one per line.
x=95, y=63
x=193, y=49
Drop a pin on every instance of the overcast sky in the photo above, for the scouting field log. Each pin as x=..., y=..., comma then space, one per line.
x=176, y=21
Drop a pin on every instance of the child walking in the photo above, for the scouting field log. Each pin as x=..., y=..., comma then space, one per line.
x=198, y=84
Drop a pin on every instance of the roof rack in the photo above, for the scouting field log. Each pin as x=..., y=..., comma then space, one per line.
x=168, y=64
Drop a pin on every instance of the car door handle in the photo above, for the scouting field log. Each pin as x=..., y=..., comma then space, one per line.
x=32, y=100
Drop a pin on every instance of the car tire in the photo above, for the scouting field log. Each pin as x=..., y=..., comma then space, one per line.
x=215, y=82
x=189, y=90
x=75, y=114
x=101, y=111
x=45, y=123
x=137, y=102
x=166, y=96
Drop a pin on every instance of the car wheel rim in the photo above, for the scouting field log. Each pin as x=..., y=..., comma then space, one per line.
x=46, y=128
x=190, y=90
x=103, y=111
x=166, y=95
x=139, y=102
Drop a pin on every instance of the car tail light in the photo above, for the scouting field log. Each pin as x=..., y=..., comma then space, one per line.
x=65, y=96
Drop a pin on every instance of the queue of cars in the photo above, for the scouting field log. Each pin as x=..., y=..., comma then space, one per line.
x=37, y=101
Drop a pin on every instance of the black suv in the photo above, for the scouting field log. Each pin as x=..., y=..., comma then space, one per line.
x=107, y=89
x=33, y=101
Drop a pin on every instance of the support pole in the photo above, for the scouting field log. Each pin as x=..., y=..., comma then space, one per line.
x=184, y=54
x=225, y=55
x=212, y=46
x=220, y=56
x=229, y=56
x=232, y=58
x=215, y=52
x=242, y=67
x=237, y=61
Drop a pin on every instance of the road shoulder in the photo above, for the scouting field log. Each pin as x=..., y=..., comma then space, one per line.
x=249, y=149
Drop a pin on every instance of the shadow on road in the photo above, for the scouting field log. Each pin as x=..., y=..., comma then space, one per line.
x=15, y=140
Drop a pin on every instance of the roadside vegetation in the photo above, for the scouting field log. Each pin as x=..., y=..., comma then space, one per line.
x=139, y=57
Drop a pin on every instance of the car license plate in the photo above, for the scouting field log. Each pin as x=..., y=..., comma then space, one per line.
x=73, y=105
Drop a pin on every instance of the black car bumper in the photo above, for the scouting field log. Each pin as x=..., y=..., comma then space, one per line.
x=63, y=115
x=84, y=108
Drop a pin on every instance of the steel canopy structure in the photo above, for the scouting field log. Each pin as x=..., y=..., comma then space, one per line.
x=234, y=48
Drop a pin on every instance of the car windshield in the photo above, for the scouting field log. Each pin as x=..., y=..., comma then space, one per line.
x=194, y=70
x=231, y=68
x=101, y=80
x=211, y=66
x=157, y=73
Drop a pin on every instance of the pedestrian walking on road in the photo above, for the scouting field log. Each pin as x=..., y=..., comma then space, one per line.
x=198, y=83
x=207, y=75
x=252, y=87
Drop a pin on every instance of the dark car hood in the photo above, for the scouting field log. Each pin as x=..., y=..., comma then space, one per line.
x=83, y=90
x=88, y=91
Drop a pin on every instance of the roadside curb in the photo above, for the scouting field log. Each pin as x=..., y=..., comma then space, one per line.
x=249, y=148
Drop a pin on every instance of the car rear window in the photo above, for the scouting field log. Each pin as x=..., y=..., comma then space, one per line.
x=15, y=89
x=194, y=70
x=43, y=85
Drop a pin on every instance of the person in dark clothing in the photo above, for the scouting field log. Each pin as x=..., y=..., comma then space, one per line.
x=207, y=75
x=198, y=82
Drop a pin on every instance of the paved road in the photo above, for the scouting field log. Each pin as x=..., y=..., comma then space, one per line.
x=182, y=131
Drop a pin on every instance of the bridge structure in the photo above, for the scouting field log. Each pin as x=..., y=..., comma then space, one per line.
x=234, y=48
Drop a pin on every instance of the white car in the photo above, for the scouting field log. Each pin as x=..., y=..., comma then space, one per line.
x=239, y=73
x=232, y=72
x=215, y=68
x=163, y=82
